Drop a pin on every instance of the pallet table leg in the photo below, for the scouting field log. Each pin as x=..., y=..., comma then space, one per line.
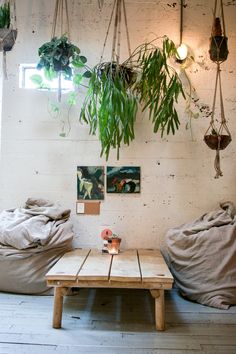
x=58, y=306
x=159, y=308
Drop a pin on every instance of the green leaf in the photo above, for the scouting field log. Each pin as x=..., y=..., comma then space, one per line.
x=87, y=74
x=36, y=79
x=54, y=107
x=50, y=74
x=78, y=79
x=72, y=98
x=83, y=59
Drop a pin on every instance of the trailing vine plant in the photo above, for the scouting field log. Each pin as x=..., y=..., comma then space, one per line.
x=59, y=58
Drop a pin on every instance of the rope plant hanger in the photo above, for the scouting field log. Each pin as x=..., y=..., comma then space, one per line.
x=116, y=15
x=60, y=23
x=100, y=4
x=218, y=138
x=60, y=26
x=8, y=30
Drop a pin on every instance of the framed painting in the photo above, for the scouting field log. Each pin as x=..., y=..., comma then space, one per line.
x=90, y=182
x=125, y=179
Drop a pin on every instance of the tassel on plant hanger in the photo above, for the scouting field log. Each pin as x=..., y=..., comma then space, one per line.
x=217, y=165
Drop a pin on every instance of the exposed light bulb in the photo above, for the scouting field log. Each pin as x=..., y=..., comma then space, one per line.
x=182, y=52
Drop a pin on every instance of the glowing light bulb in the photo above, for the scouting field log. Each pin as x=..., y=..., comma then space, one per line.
x=182, y=52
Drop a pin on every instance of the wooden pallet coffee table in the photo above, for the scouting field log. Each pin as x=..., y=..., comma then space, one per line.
x=131, y=269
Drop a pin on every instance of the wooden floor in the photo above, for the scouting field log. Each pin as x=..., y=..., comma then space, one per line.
x=114, y=321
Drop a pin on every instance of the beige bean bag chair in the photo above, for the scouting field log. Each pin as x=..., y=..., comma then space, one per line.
x=202, y=257
x=32, y=239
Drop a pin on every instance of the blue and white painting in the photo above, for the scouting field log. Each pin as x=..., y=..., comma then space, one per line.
x=90, y=182
x=125, y=179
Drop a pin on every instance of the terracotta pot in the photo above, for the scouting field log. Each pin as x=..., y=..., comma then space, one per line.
x=218, y=48
x=212, y=141
x=8, y=37
x=113, y=245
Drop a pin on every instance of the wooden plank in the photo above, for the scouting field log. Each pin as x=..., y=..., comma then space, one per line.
x=125, y=267
x=153, y=266
x=68, y=265
x=118, y=283
x=96, y=266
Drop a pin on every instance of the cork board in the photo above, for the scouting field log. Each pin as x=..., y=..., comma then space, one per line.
x=88, y=208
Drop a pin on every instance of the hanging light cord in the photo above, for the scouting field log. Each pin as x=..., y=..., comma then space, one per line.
x=181, y=21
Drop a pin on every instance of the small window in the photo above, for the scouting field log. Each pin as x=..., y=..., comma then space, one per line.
x=26, y=72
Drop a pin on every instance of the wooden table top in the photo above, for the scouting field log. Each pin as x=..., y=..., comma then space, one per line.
x=138, y=267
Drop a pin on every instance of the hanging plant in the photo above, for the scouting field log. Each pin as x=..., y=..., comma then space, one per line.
x=110, y=107
x=116, y=89
x=7, y=34
x=158, y=86
x=59, y=58
x=218, y=41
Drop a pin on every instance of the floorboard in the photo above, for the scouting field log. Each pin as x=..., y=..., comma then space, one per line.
x=114, y=321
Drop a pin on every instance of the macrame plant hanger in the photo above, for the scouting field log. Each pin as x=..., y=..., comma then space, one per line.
x=218, y=139
x=60, y=26
x=8, y=35
x=100, y=4
x=118, y=9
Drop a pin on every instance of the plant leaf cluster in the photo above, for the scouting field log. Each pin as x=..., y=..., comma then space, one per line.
x=159, y=86
x=5, y=19
x=146, y=78
x=60, y=56
x=110, y=106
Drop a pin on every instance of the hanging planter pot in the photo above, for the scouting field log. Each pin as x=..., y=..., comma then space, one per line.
x=218, y=43
x=7, y=39
x=113, y=70
x=216, y=141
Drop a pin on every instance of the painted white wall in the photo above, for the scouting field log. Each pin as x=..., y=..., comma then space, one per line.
x=177, y=172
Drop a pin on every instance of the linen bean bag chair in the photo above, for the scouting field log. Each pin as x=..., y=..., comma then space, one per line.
x=202, y=257
x=32, y=239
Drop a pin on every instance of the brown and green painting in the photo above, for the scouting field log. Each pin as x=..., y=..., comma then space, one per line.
x=90, y=182
x=125, y=179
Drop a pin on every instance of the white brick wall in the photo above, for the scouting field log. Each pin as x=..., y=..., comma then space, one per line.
x=177, y=173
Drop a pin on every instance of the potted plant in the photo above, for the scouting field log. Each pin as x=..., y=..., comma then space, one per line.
x=115, y=90
x=218, y=43
x=111, y=242
x=60, y=57
x=7, y=34
x=158, y=86
x=110, y=106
